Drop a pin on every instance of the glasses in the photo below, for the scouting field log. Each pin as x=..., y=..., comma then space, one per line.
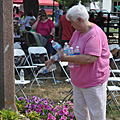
x=42, y=15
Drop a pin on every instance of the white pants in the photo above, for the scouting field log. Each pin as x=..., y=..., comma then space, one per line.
x=90, y=103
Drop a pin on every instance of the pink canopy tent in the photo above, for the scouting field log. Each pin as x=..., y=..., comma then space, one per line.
x=41, y=2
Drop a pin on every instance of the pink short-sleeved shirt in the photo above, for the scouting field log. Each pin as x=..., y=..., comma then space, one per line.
x=94, y=42
x=45, y=28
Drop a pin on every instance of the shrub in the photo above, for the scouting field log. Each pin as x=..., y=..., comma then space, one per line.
x=9, y=115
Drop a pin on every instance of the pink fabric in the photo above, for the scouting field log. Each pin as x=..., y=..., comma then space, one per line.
x=45, y=28
x=94, y=42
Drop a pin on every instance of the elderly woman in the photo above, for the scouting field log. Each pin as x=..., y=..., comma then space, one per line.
x=89, y=79
x=45, y=27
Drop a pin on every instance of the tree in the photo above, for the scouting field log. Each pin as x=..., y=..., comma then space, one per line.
x=31, y=5
x=69, y=2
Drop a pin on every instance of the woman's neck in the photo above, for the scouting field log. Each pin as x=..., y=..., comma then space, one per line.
x=43, y=21
x=88, y=25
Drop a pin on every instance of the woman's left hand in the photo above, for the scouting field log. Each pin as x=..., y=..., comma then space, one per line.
x=62, y=55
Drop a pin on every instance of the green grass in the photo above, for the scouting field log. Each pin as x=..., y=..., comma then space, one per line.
x=111, y=30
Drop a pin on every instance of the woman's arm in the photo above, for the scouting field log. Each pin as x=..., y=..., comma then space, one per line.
x=81, y=59
x=78, y=59
x=52, y=31
x=34, y=26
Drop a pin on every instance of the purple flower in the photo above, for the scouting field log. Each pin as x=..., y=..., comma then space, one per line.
x=49, y=108
x=36, y=101
x=27, y=106
x=45, y=106
x=28, y=111
x=39, y=99
x=71, y=116
x=61, y=112
x=33, y=106
x=51, y=117
x=51, y=102
x=21, y=98
x=35, y=97
x=42, y=113
x=38, y=110
x=63, y=118
x=65, y=110
x=45, y=102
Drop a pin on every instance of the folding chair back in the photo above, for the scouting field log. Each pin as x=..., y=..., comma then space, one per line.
x=39, y=51
x=20, y=53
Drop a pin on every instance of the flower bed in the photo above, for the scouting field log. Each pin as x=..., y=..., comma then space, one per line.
x=44, y=109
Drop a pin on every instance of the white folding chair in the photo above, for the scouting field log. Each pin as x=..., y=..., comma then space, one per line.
x=113, y=88
x=20, y=87
x=20, y=53
x=62, y=64
x=40, y=51
x=113, y=92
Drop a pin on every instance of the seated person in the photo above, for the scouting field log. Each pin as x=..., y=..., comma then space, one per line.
x=31, y=22
x=114, y=50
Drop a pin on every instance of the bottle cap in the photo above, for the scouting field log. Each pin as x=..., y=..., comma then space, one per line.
x=77, y=46
x=66, y=43
x=52, y=41
x=51, y=57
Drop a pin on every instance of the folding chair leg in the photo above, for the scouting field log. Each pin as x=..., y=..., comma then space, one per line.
x=65, y=72
x=114, y=100
x=16, y=97
x=35, y=78
x=20, y=89
x=70, y=93
x=53, y=77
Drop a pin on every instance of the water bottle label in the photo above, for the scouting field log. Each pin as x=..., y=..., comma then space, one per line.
x=67, y=51
x=57, y=47
x=71, y=54
x=76, y=53
x=45, y=71
x=57, y=57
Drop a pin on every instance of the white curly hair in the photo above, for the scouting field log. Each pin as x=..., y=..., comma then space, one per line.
x=77, y=11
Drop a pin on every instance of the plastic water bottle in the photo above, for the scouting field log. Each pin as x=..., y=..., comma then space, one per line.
x=44, y=70
x=22, y=75
x=55, y=57
x=59, y=81
x=71, y=65
x=77, y=52
x=66, y=48
x=56, y=46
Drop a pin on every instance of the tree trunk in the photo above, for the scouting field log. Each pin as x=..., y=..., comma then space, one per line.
x=31, y=5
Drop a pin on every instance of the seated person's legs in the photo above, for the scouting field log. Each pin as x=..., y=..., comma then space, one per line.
x=114, y=53
x=50, y=49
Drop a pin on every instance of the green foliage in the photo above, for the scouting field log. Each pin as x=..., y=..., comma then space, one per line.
x=33, y=115
x=9, y=115
x=69, y=2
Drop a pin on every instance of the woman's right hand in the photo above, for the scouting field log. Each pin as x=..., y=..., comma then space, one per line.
x=49, y=62
x=38, y=18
